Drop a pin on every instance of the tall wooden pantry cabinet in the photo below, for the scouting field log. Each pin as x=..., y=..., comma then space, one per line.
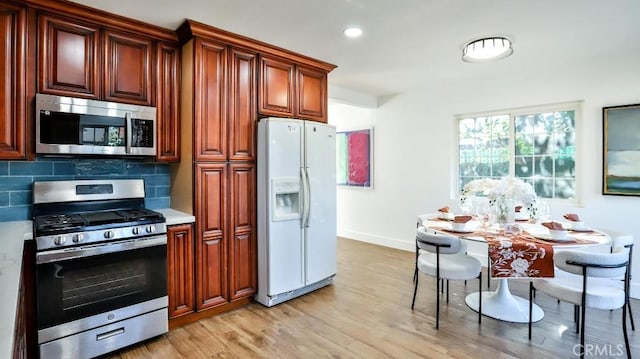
x=216, y=179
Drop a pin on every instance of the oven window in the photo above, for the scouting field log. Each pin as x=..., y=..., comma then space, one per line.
x=90, y=286
x=82, y=287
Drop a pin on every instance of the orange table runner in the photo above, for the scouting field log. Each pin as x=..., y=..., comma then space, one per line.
x=518, y=256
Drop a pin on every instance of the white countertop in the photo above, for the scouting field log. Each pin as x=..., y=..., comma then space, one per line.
x=14, y=234
x=176, y=217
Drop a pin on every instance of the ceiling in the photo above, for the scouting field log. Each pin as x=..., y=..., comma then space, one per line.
x=411, y=44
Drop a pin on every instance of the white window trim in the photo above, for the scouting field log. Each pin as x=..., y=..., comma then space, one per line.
x=526, y=110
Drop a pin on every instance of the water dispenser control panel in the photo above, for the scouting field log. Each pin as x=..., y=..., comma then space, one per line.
x=285, y=203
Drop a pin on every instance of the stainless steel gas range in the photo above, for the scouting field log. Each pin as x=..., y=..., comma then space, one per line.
x=101, y=261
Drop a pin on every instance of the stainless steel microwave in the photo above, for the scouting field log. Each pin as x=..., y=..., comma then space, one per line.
x=68, y=125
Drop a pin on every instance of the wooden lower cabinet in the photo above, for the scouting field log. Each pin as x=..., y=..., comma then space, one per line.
x=180, y=270
x=242, y=239
x=211, y=263
x=224, y=245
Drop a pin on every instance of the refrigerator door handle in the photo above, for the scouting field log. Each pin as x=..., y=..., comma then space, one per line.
x=304, y=204
x=307, y=199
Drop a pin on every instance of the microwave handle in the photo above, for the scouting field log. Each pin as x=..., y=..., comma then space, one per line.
x=129, y=133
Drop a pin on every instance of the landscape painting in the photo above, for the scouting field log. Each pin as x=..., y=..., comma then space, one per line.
x=621, y=145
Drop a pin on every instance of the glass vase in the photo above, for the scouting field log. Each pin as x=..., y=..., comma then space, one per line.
x=505, y=211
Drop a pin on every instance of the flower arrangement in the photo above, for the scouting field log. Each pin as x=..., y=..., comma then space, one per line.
x=499, y=191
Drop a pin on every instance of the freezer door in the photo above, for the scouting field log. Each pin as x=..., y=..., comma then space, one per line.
x=283, y=240
x=320, y=229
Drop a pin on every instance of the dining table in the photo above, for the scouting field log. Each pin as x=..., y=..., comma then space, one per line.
x=519, y=251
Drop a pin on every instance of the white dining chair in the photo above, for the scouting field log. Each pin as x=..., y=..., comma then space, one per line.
x=620, y=240
x=443, y=256
x=590, y=281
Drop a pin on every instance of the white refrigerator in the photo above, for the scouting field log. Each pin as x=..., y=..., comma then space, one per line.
x=296, y=208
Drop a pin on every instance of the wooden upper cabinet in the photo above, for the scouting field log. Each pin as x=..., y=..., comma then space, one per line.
x=242, y=236
x=288, y=89
x=312, y=94
x=68, y=57
x=14, y=116
x=128, y=65
x=168, y=102
x=276, y=92
x=210, y=101
x=242, y=105
x=180, y=270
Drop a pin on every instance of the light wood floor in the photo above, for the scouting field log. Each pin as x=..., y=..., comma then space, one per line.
x=366, y=314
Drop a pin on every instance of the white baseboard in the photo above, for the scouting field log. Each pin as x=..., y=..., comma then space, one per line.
x=476, y=251
x=409, y=245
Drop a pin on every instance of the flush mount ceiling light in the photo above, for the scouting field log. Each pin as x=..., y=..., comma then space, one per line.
x=487, y=49
x=353, y=32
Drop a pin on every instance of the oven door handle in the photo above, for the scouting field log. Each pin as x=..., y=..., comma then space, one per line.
x=97, y=249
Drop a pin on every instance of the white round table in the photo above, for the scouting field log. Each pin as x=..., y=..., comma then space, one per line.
x=501, y=304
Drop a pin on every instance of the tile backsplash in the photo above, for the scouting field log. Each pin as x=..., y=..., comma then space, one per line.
x=16, y=180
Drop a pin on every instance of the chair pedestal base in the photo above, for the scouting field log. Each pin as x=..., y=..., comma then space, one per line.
x=502, y=305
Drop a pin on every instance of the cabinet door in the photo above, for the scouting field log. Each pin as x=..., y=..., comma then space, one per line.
x=275, y=95
x=13, y=86
x=210, y=101
x=242, y=237
x=312, y=94
x=242, y=105
x=180, y=281
x=211, y=263
x=168, y=102
x=68, y=60
x=128, y=65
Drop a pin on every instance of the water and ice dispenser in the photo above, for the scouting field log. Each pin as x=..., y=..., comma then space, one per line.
x=286, y=202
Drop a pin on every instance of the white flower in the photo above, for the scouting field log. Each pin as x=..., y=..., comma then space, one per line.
x=505, y=188
x=520, y=265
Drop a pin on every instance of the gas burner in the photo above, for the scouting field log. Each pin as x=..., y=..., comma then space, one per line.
x=139, y=214
x=59, y=221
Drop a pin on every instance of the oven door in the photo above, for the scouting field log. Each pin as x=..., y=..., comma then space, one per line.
x=79, y=282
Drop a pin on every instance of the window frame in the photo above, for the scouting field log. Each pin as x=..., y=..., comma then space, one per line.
x=575, y=106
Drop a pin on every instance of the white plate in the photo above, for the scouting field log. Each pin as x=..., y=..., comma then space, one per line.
x=583, y=229
x=461, y=230
x=547, y=237
x=445, y=217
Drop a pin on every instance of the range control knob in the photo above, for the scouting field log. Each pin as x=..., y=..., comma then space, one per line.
x=59, y=240
x=135, y=230
x=151, y=229
x=77, y=238
x=108, y=234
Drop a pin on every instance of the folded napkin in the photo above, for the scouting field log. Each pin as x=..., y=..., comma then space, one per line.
x=462, y=219
x=553, y=225
x=572, y=217
x=444, y=209
x=518, y=208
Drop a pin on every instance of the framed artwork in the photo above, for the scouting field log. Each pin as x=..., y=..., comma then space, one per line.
x=621, y=150
x=354, y=152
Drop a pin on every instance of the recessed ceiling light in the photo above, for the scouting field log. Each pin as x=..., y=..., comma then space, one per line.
x=353, y=32
x=487, y=49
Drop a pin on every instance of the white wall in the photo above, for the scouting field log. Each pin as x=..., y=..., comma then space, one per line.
x=415, y=157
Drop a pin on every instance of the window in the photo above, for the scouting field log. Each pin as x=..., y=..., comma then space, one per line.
x=537, y=145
